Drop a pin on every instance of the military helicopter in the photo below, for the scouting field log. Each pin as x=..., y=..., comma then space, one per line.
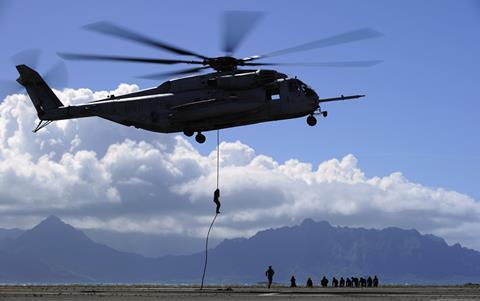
x=227, y=97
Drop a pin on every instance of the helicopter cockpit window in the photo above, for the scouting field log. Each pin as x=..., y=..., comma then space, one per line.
x=275, y=97
x=273, y=93
x=309, y=92
x=296, y=86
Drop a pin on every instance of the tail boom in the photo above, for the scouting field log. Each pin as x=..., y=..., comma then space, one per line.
x=40, y=93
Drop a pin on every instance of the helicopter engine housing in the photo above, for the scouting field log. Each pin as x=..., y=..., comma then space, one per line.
x=246, y=81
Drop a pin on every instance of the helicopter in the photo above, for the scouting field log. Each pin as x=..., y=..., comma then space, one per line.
x=227, y=97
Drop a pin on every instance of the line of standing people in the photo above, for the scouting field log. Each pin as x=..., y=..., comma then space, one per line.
x=348, y=282
x=351, y=282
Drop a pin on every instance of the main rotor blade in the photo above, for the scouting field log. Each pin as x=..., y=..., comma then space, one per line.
x=96, y=57
x=57, y=76
x=236, y=26
x=29, y=57
x=347, y=37
x=111, y=29
x=347, y=64
x=173, y=73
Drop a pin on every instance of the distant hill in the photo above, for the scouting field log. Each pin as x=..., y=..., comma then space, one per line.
x=146, y=244
x=68, y=251
x=56, y=252
x=149, y=244
x=10, y=233
x=314, y=249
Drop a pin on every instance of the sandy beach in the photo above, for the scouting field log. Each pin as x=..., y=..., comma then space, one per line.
x=152, y=292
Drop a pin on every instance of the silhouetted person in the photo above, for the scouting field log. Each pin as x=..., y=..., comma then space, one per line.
x=334, y=282
x=375, y=281
x=293, y=282
x=269, y=273
x=363, y=282
x=324, y=282
x=342, y=282
x=355, y=281
x=309, y=282
x=348, y=282
x=369, y=281
x=216, y=197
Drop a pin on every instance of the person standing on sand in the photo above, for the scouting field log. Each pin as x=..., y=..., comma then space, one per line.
x=309, y=282
x=269, y=273
x=334, y=282
x=369, y=281
x=324, y=282
x=348, y=282
x=293, y=281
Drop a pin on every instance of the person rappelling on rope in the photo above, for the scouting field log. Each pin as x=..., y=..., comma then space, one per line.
x=216, y=197
x=216, y=200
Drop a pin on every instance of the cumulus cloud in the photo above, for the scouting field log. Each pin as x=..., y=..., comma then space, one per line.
x=96, y=174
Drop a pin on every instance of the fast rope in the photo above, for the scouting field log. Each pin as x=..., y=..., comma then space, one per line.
x=216, y=197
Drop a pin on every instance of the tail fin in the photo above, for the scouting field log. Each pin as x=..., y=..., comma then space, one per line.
x=40, y=93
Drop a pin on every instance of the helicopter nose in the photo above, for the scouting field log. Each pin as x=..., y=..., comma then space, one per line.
x=314, y=101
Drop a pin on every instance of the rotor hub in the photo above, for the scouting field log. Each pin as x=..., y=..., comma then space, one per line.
x=223, y=63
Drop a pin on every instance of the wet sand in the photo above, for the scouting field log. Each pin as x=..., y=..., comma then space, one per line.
x=152, y=292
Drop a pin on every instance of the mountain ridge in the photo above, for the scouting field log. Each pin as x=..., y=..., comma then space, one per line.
x=57, y=252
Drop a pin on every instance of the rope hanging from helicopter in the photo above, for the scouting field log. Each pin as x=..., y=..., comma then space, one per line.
x=216, y=200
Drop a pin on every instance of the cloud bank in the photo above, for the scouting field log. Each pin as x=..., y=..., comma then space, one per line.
x=96, y=174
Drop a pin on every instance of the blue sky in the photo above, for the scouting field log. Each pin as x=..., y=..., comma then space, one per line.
x=420, y=116
x=420, y=113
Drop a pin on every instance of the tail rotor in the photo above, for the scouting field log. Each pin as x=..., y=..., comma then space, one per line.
x=56, y=75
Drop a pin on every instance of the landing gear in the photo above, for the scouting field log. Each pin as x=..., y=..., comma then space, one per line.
x=188, y=132
x=200, y=138
x=311, y=120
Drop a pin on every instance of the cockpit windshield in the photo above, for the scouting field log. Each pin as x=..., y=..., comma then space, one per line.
x=298, y=85
x=303, y=87
x=294, y=85
x=307, y=90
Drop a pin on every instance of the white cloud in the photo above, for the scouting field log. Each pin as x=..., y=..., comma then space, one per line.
x=96, y=174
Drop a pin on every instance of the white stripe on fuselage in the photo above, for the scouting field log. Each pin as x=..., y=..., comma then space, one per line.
x=129, y=99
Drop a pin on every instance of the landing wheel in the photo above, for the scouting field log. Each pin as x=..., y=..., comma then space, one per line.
x=325, y=114
x=188, y=132
x=200, y=138
x=311, y=120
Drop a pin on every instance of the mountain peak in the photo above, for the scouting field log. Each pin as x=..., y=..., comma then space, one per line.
x=52, y=230
x=52, y=219
x=307, y=221
x=52, y=222
x=310, y=222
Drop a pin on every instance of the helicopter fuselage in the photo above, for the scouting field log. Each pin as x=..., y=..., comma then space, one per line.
x=203, y=103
